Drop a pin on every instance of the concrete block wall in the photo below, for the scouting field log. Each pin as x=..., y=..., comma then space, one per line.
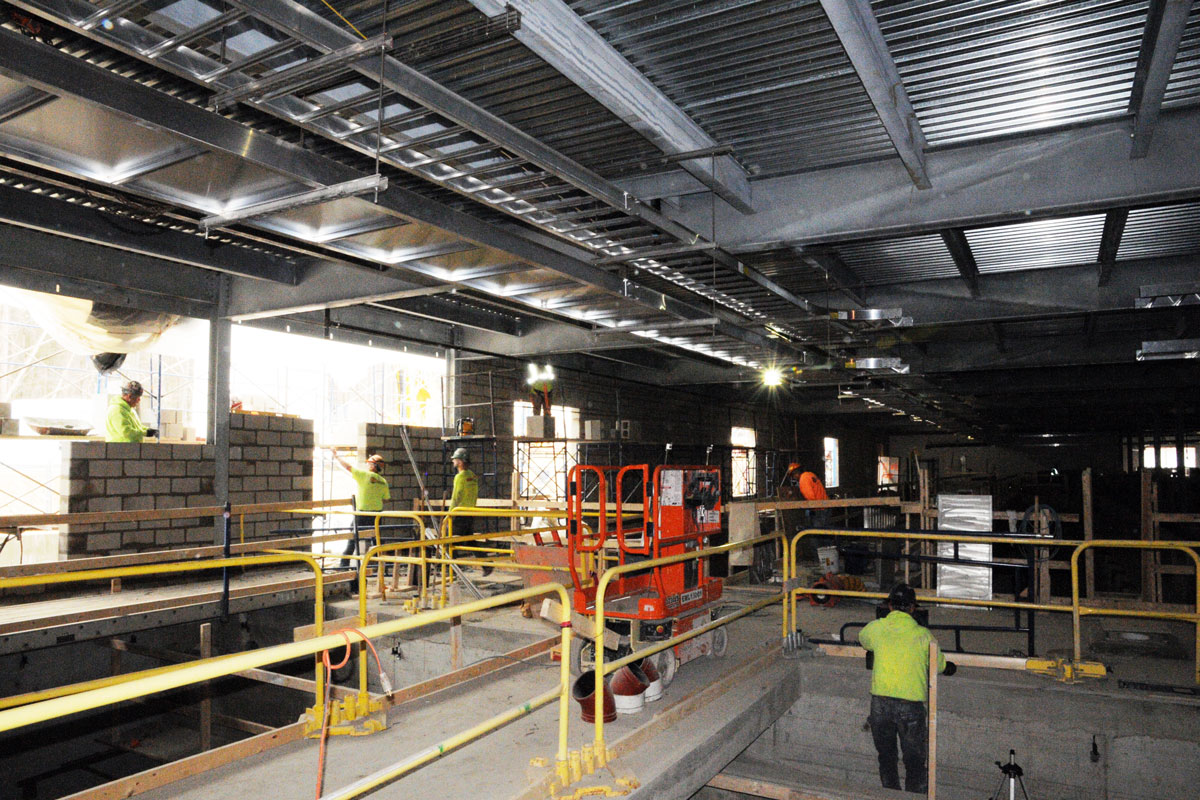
x=136, y=477
x=270, y=461
x=1148, y=746
x=385, y=440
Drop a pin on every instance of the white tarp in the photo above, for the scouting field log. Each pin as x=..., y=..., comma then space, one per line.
x=86, y=328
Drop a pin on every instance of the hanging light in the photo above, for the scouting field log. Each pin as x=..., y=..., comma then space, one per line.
x=772, y=376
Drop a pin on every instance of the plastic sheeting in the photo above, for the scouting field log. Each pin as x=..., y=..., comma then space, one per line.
x=85, y=327
x=973, y=514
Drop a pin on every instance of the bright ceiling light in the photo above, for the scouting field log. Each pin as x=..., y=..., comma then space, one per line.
x=772, y=376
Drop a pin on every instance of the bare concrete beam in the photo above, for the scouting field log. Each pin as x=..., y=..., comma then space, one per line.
x=1110, y=243
x=1165, y=24
x=558, y=36
x=1082, y=170
x=859, y=33
x=964, y=259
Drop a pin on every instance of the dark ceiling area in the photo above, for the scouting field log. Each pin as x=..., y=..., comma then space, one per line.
x=978, y=217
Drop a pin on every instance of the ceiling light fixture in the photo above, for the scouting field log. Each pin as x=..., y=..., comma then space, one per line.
x=772, y=377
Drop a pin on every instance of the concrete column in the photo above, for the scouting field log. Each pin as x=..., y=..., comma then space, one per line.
x=219, y=335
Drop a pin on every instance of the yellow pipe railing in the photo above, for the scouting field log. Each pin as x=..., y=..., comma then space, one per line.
x=601, y=750
x=220, y=666
x=1075, y=608
x=144, y=570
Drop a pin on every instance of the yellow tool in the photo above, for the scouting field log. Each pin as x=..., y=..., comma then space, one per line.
x=1066, y=670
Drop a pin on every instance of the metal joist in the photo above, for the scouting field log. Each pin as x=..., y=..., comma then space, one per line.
x=558, y=36
x=1110, y=243
x=859, y=32
x=1165, y=24
x=964, y=259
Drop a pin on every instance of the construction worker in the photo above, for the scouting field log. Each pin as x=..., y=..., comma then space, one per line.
x=899, y=689
x=464, y=495
x=122, y=423
x=541, y=384
x=370, y=492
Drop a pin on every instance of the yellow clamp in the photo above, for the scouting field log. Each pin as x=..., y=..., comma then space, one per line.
x=1066, y=670
x=354, y=715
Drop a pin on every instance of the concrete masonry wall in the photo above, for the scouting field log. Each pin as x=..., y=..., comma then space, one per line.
x=1149, y=746
x=270, y=461
x=386, y=440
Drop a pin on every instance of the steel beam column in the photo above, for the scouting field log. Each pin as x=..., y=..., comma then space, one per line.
x=1166, y=21
x=220, y=334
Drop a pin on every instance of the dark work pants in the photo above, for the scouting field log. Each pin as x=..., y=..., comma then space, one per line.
x=366, y=527
x=890, y=718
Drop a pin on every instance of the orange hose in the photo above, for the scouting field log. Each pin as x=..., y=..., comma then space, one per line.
x=329, y=668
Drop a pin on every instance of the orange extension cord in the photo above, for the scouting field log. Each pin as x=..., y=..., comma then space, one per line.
x=329, y=668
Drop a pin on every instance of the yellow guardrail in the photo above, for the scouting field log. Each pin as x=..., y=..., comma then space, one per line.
x=1076, y=609
x=599, y=747
x=180, y=675
x=146, y=570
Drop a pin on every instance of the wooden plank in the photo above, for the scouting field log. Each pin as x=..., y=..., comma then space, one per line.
x=1147, y=485
x=848, y=502
x=425, y=688
x=101, y=517
x=193, y=765
x=162, y=556
x=1089, y=555
x=331, y=626
x=206, y=706
x=933, y=703
x=177, y=601
x=1163, y=516
x=773, y=791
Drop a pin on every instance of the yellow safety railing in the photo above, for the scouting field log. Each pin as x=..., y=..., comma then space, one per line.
x=181, y=675
x=602, y=669
x=147, y=570
x=1076, y=609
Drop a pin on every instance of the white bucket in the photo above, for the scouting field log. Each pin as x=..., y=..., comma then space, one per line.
x=830, y=562
x=630, y=703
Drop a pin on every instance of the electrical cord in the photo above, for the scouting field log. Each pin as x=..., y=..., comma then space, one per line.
x=384, y=681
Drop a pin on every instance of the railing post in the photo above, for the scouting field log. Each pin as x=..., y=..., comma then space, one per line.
x=226, y=515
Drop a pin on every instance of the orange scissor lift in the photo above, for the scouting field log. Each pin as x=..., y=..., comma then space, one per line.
x=680, y=508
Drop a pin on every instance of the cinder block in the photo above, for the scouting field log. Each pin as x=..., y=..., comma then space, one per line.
x=298, y=453
x=242, y=437
x=104, y=504
x=170, y=469
x=122, y=450
x=141, y=502
x=254, y=453
x=186, y=452
x=291, y=439
x=168, y=501
x=185, y=485
x=166, y=538
x=137, y=538
x=268, y=467
x=122, y=486
x=279, y=482
x=267, y=438
x=199, y=500
x=103, y=542
x=155, y=486
x=302, y=482
x=103, y=469
x=254, y=422
x=281, y=453
x=254, y=483
x=138, y=468
x=201, y=469
x=208, y=452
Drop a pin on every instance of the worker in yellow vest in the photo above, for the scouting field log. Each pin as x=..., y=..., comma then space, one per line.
x=541, y=383
x=371, y=489
x=122, y=423
x=899, y=689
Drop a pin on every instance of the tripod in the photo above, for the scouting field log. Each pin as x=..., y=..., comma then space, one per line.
x=1012, y=777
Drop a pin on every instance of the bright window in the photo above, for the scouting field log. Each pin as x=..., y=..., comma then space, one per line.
x=1170, y=457
x=542, y=467
x=888, y=472
x=832, y=475
x=744, y=464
